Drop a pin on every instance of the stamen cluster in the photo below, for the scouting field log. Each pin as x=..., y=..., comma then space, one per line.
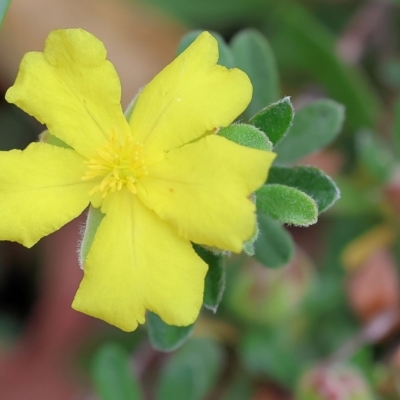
x=120, y=162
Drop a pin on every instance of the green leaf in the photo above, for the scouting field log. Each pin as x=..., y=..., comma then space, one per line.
x=129, y=110
x=112, y=376
x=215, y=278
x=221, y=14
x=226, y=57
x=248, y=245
x=396, y=129
x=302, y=43
x=272, y=354
x=48, y=138
x=312, y=181
x=164, y=337
x=191, y=373
x=246, y=135
x=4, y=4
x=355, y=199
x=94, y=218
x=275, y=120
x=389, y=73
x=375, y=155
x=274, y=246
x=314, y=127
x=254, y=55
x=287, y=205
x=241, y=388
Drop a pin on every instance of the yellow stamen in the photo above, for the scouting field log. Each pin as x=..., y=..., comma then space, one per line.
x=120, y=163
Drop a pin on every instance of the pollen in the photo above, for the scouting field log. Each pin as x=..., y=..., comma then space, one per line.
x=119, y=163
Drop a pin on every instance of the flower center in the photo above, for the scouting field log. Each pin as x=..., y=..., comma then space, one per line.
x=120, y=162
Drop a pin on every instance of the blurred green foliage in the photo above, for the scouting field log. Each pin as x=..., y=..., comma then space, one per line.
x=112, y=375
x=280, y=339
x=274, y=324
x=299, y=40
x=314, y=127
x=191, y=373
x=4, y=4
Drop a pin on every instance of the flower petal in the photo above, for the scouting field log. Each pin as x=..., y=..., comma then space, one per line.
x=190, y=96
x=202, y=189
x=138, y=262
x=41, y=190
x=71, y=88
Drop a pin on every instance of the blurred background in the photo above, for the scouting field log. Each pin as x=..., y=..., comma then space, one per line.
x=326, y=323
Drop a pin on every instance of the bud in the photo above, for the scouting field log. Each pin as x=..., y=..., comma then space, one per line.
x=267, y=296
x=333, y=382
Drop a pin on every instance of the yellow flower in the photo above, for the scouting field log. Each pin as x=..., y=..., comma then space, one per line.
x=162, y=178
